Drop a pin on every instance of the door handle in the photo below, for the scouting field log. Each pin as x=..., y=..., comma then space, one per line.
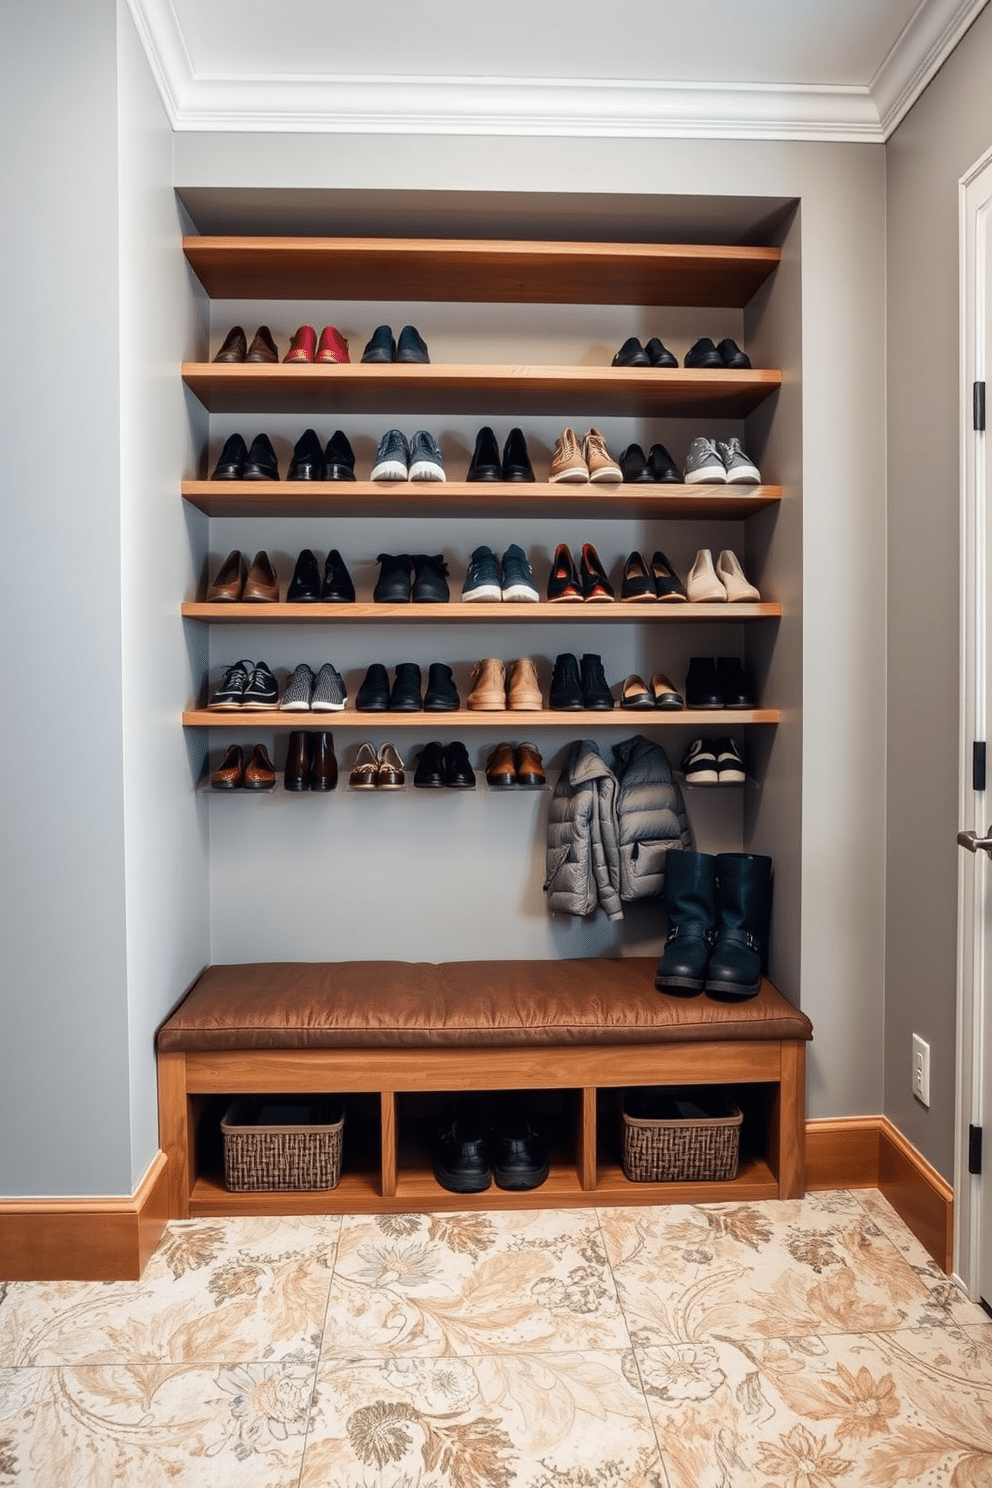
x=975, y=843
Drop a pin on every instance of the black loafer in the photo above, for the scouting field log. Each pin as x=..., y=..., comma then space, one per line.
x=703, y=353
x=304, y=586
x=307, y=462
x=458, y=772
x=484, y=465
x=631, y=354
x=339, y=458
x=662, y=467
x=337, y=587
x=380, y=346
x=634, y=466
x=233, y=459
x=516, y=460
x=520, y=1154
x=461, y=1158
x=411, y=346
x=262, y=463
x=373, y=695
x=659, y=354
x=429, y=774
x=667, y=585
x=406, y=696
x=731, y=354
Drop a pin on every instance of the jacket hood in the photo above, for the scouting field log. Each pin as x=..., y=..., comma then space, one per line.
x=632, y=751
x=585, y=763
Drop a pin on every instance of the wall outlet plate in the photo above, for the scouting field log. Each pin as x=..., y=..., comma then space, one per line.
x=921, y=1069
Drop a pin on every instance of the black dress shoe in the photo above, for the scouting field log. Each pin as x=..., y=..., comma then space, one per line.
x=337, y=587
x=460, y=1154
x=307, y=462
x=411, y=346
x=373, y=695
x=563, y=582
x=596, y=692
x=339, y=458
x=659, y=354
x=516, y=460
x=702, y=686
x=596, y=586
x=458, y=772
x=442, y=694
x=323, y=764
x=735, y=686
x=634, y=466
x=395, y=579
x=638, y=582
x=667, y=585
x=380, y=346
x=304, y=586
x=233, y=459
x=662, y=467
x=429, y=774
x=484, y=464
x=566, y=688
x=519, y=1152
x=405, y=696
x=631, y=354
x=234, y=347
x=297, y=773
x=262, y=463
x=703, y=353
x=430, y=579
x=731, y=354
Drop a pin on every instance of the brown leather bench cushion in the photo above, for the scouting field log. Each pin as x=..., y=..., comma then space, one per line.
x=411, y=1004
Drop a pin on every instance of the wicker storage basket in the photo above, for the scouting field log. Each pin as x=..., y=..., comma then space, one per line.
x=677, y=1134
x=281, y=1144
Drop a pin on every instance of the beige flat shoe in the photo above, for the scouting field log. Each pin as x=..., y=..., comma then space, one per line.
x=731, y=574
x=703, y=583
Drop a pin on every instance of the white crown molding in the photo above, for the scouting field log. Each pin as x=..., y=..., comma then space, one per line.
x=545, y=106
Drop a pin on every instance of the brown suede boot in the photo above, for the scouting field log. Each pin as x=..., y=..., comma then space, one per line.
x=489, y=693
x=523, y=689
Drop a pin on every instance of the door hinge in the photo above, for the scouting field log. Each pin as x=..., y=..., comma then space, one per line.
x=978, y=405
x=978, y=765
x=974, y=1149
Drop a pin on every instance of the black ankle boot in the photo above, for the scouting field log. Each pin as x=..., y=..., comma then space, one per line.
x=690, y=904
x=744, y=897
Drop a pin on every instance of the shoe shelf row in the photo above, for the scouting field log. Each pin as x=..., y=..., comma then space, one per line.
x=217, y=613
x=515, y=720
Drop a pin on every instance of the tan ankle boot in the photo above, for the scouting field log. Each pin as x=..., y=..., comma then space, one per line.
x=523, y=689
x=489, y=693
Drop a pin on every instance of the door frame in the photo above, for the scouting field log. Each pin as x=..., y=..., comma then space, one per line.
x=974, y=206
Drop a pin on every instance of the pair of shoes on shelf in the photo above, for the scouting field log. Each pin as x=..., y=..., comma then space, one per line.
x=307, y=692
x=246, y=684
x=253, y=771
x=515, y=767
x=420, y=578
x=719, y=462
x=235, y=581
x=381, y=346
x=304, y=346
x=510, y=579
x=587, y=459
x=400, y=459
x=310, y=761
x=239, y=462
x=405, y=696
x=659, y=583
x=663, y=694
x=657, y=467
x=496, y=688
x=653, y=354
x=726, y=353
x=307, y=587
x=713, y=762
x=235, y=346
x=444, y=765
x=718, y=910
x=723, y=581
x=575, y=686
x=589, y=582
x=468, y=1153
x=485, y=464
x=384, y=770
x=312, y=461
x=720, y=682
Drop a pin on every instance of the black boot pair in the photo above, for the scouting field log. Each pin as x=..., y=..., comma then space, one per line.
x=310, y=762
x=468, y=1152
x=574, y=686
x=718, y=910
x=444, y=765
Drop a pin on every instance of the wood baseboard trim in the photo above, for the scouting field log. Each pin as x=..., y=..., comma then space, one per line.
x=868, y=1152
x=84, y=1239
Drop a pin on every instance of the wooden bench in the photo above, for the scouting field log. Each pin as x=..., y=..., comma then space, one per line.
x=391, y=1035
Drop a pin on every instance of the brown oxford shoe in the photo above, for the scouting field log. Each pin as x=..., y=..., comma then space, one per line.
x=262, y=585
x=229, y=584
x=230, y=773
x=259, y=771
x=501, y=768
x=234, y=347
x=323, y=765
x=530, y=767
x=262, y=348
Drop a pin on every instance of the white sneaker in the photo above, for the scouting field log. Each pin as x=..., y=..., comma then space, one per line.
x=703, y=583
x=729, y=765
x=732, y=576
x=740, y=468
x=704, y=463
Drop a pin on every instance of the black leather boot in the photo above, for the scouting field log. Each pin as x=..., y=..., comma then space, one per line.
x=744, y=898
x=690, y=904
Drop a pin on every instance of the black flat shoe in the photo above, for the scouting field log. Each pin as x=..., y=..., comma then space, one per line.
x=262, y=463
x=233, y=459
x=662, y=467
x=703, y=353
x=339, y=458
x=304, y=586
x=307, y=462
x=337, y=587
x=631, y=354
x=659, y=354
x=484, y=465
x=516, y=460
x=731, y=354
x=634, y=466
x=667, y=585
x=373, y=695
x=638, y=583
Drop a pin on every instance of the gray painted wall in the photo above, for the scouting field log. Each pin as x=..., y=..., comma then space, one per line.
x=943, y=135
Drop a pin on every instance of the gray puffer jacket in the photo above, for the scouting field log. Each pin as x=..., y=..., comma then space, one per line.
x=609, y=830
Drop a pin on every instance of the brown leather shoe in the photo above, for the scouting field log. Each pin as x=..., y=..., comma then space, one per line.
x=297, y=772
x=523, y=690
x=262, y=348
x=392, y=774
x=230, y=773
x=234, y=347
x=365, y=772
x=262, y=585
x=259, y=771
x=489, y=693
x=530, y=767
x=323, y=765
x=230, y=581
x=501, y=768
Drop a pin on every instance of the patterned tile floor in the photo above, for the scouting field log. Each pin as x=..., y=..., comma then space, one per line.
x=808, y=1344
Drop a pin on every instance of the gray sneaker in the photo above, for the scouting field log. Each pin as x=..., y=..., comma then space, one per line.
x=298, y=691
x=704, y=463
x=329, y=693
x=426, y=463
x=741, y=470
x=518, y=577
x=392, y=458
x=482, y=579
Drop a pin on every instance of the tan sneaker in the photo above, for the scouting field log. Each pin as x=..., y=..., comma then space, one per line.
x=489, y=693
x=568, y=462
x=523, y=689
x=600, y=463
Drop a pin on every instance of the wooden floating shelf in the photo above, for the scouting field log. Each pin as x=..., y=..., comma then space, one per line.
x=479, y=271
x=516, y=720
x=573, y=392
x=221, y=613
x=474, y=499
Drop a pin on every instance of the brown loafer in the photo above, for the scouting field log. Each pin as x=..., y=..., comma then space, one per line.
x=392, y=774
x=365, y=772
x=229, y=584
x=501, y=768
x=530, y=767
x=665, y=693
x=523, y=690
x=634, y=693
x=234, y=347
x=262, y=348
x=261, y=585
x=230, y=773
x=259, y=771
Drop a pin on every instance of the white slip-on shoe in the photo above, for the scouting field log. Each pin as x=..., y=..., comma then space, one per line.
x=732, y=576
x=703, y=583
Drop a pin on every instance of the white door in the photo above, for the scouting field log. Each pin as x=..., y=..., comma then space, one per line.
x=973, y=1191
